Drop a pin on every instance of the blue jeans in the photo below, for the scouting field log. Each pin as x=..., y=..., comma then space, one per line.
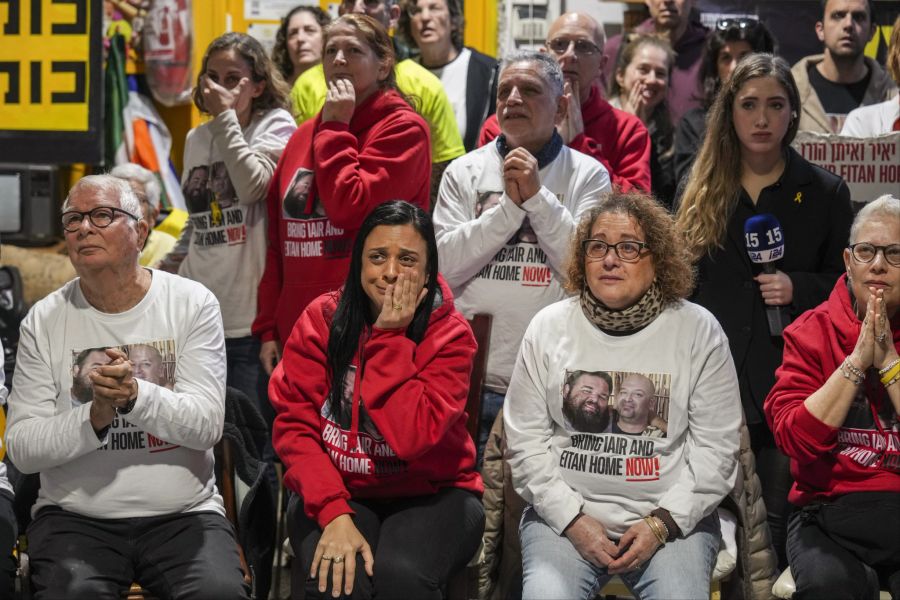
x=553, y=568
x=491, y=403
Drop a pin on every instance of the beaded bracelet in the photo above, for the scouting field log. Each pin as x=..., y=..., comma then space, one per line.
x=851, y=373
x=891, y=382
x=893, y=364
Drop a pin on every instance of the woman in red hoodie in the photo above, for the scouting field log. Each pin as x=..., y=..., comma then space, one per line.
x=371, y=424
x=367, y=146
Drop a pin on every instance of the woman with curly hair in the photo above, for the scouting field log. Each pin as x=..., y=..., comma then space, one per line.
x=298, y=41
x=622, y=418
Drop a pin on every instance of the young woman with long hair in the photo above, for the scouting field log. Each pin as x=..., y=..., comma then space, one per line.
x=730, y=41
x=228, y=163
x=746, y=167
x=371, y=424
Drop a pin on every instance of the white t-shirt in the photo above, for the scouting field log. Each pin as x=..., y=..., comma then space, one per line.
x=872, y=120
x=454, y=77
x=498, y=263
x=618, y=478
x=157, y=459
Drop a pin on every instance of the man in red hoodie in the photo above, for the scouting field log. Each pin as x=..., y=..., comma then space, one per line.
x=618, y=140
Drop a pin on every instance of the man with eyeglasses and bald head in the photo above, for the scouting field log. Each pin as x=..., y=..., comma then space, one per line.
x=127, y=485
x=415, y=81
x=617, y=139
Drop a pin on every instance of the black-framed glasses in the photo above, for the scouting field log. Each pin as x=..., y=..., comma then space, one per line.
x=743, y=23
x=865, y=252
x=629, y=251
x=100, y=217
x=560, y=46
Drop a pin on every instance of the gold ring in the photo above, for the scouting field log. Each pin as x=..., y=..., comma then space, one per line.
x=326, y=557
x=338, y=560
x=398, y=307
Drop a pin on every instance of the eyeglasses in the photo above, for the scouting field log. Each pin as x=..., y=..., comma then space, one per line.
x=865, y=252
x=736, y=23
x=100, y=217
x=628, y=250
x=560, y=46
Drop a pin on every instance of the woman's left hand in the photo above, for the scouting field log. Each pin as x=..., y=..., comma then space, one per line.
x=884, y=352
x=777, y=289
x=641, y=544
x=340, y=101
x=218, y=99
x=400, y=302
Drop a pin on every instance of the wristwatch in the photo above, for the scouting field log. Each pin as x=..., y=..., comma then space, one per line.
x=130, y=405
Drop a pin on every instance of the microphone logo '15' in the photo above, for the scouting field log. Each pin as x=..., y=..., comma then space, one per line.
x=772, y=237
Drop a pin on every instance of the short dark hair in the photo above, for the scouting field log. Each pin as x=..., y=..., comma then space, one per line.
x=574, y=375
x=82, y=356
x=869, y=4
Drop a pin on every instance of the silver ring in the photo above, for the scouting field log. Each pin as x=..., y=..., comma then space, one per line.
x=881, y=337
x=338, y=560
x=326, y=557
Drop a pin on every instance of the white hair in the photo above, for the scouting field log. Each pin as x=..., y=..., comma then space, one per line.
x=885, y=207
x=110, y=186
x=546, y=66
x=145, y=177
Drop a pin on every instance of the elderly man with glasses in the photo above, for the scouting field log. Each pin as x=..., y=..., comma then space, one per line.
x=614, y=137
x=127, y=485
x=543, y=185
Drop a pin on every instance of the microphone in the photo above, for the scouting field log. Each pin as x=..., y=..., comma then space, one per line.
x=765, y=245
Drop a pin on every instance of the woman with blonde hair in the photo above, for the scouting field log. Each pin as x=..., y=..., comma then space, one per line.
x=746, y=168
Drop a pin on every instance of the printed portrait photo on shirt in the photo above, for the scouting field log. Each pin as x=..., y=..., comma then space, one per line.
x=152, y=361
x=197, y=194
x=296, y=198
x=487, y=200
x=616, y=402
x=221, y=186
x=344, y=419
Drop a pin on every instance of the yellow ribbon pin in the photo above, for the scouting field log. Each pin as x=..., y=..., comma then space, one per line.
x=798, y=198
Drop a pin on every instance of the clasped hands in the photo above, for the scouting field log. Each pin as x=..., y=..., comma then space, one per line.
x=635, y=547
x=114, y=386
x=521, y=175
x=875, y=344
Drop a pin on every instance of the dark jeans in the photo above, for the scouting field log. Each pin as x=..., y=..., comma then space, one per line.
x=242, y=356
x=774, y=471
x=418, y=544
x=841, y=548
x=189, y=556
x=491, y=403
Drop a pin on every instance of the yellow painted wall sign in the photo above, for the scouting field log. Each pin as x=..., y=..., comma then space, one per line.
x=50, y=76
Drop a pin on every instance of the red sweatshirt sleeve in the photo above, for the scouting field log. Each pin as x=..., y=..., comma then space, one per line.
x=270, y=284
x=804, y=370
x=297, y=389
x=352, y=180
x=632, y=162
x=489, y=131
x=414, y=405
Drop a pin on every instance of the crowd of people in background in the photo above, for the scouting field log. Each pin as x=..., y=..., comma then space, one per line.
x=358, y=194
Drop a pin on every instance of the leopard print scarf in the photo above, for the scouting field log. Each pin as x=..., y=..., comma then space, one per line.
x=628, y=320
